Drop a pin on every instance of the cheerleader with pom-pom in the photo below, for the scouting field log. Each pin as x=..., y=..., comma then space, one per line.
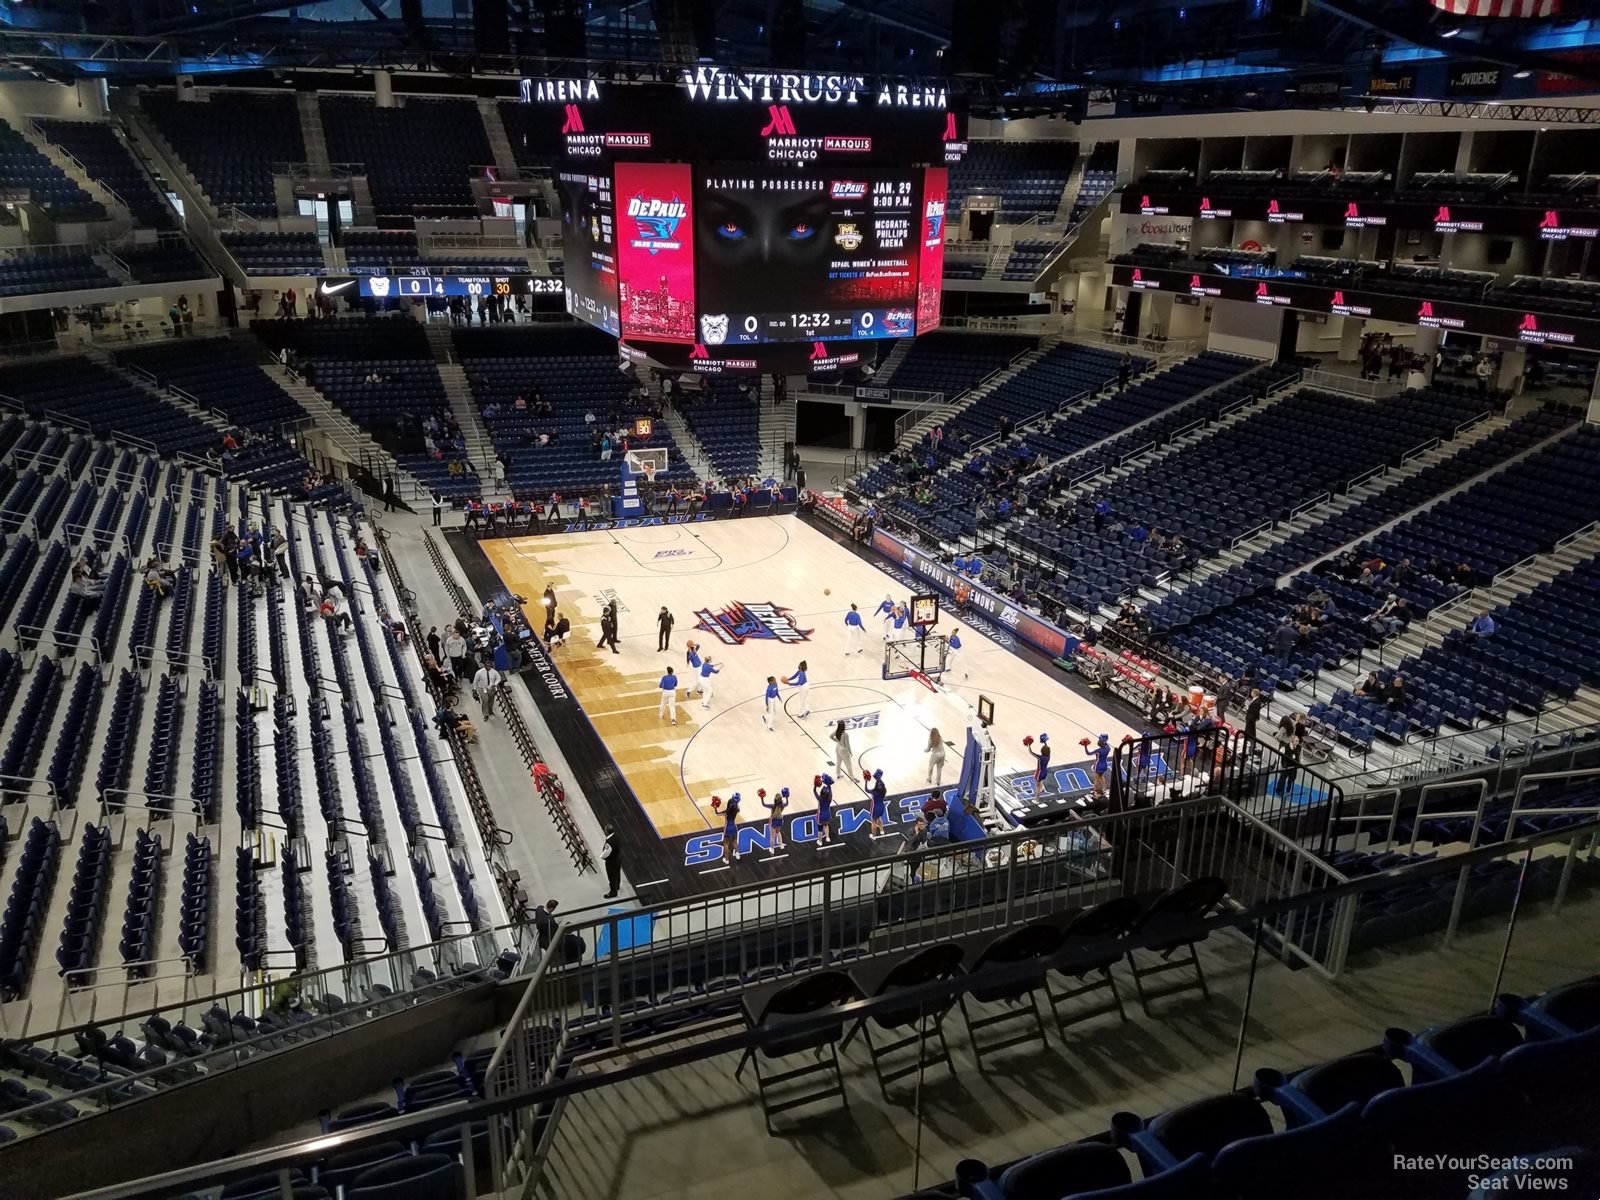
x=775, y=809
x=822, y=790
x=730, y=828
x=1041, y=760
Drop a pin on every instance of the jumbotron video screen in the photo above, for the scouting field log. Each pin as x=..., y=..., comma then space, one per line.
x=801, y=223
x=748, y=255
x=785, y=257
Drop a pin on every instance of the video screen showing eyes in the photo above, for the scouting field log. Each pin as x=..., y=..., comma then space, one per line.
x=782, y=256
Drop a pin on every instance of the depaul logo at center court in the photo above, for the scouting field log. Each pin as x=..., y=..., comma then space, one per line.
x=744, y=621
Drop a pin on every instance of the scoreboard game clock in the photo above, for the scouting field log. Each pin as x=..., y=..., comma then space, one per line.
x=643, y=427
x=925, y=610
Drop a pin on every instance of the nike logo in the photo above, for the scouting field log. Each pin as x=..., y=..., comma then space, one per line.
x=338, y=287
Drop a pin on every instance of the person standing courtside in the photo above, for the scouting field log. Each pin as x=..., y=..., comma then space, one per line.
x=1252, y=713
x=612, y=853
x=608, y=628
x=664, y=625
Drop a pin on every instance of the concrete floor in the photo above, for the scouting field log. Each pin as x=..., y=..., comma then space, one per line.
x=536, y=850
x=699, y=1132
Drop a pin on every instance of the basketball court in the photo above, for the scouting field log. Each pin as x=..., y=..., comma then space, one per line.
x=760, y=595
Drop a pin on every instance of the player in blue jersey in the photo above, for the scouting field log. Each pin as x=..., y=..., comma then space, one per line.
x=708, y=681
x=802, y=688
x=952, y=653
x=669, y=696
x=853, y=632
x=769, y=702
x=886, y=611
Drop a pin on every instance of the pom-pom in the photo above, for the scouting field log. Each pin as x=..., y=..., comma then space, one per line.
x=1126, y=738
x=716, y=804
x=1085, y=743
x=761, y=793
x=866, y=777
x=816, y=781
x=1027, y=740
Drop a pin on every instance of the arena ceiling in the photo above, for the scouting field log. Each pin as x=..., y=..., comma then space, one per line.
x=1021, y=56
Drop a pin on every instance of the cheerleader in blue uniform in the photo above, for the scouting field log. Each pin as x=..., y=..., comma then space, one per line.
x=730, y=828
x=775, y=810
x=880, y=802
x=822, y=789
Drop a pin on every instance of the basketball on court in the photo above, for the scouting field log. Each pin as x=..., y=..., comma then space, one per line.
x=827, y=591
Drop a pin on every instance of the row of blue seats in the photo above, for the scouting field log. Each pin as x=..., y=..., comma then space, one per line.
x=269, y=253
x=1058, y=375
x=1517, y=1083
x=101, y=398
x=101, y=148
x=86, y=904
x=417, y=157
x=138, y=942
x=27, y=738
x=116, y=756
x=22, y=927
x=950, y=362
x=221, y=377
x=194, y=912
x=72, y=743
x=231, y=170
x=1554, y=492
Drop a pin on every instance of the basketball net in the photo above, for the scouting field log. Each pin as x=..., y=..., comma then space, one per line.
x=648, y=468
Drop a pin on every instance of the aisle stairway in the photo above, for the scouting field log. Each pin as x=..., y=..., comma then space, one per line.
x=505, y=159
x=342, y=438
x=312, y=133
x=778, y=423
x=480, y=450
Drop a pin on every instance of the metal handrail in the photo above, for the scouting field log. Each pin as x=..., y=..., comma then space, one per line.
x=415, y=1126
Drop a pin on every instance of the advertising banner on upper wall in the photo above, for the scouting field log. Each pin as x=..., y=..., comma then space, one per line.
x=1517, y=325
x=1474, y=79
x=1392, y=81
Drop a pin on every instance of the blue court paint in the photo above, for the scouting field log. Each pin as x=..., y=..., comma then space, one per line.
x=635, y=931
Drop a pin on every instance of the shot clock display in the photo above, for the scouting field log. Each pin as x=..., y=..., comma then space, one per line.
x=837, y=251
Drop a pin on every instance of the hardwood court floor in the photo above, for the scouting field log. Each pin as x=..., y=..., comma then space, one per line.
x=700, y=573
